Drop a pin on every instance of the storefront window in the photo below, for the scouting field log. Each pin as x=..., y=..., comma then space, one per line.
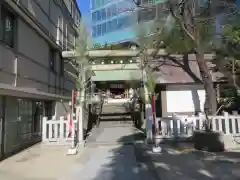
x=30, y=113
x=37, y=116
x=49, y=109
x=25, y=115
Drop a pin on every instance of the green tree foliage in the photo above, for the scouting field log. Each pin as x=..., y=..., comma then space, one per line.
x=227, y=62
x=228, y=53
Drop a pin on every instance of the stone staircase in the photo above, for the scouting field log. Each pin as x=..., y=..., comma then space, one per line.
x=115, y=111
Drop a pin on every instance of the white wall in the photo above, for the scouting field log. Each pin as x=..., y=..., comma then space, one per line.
x=185, y=98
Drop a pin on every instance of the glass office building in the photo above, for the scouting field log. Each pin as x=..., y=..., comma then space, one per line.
x=114, y=20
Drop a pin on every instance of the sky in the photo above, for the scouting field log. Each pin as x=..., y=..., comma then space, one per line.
x=84, y=6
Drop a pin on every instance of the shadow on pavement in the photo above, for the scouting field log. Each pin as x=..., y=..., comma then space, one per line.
x=124, y=161
x=173, y=163
x=177, y=162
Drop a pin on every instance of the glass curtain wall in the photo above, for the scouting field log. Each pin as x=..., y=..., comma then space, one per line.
x=109, y=16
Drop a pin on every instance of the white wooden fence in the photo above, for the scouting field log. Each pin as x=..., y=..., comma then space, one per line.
x=183, y=126
x=58, y=131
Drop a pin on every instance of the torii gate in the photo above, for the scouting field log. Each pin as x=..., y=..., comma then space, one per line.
x=130, y=53
x=110, y=53
x=124, y=53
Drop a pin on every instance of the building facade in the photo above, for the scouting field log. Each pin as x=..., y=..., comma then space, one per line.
x=33, y=35
x=112, y=21
x=115, y=21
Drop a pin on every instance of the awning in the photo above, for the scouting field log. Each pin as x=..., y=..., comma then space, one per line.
x=33, y=93
x=117, y=75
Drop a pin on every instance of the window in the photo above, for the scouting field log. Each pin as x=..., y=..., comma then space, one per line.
x=59, y=31
x=103, y=14
x=97, y=5
x=104, y=2
x=77, y=17
x=98, y=15
x=7, y=27
x=108, y=12
x=109, y=26
x=104, y=28
x=72, y=8
x=37, y=112
x=94, y=33
x=94, y=16
x=66, y=37
x=99, y=30
x=114, y=24
x=120, y=23
x=25, y=114
x=61, y=70
x=52, y=60
x=114, y=10
x=126, y=22
x=49, y=109
x=93, y=4
x=147, y=14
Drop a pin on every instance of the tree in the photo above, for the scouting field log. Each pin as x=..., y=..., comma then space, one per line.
x=97, y=46
x=81, y=62
x=145, y=39
x=228, y=63
x=196, y=20
x=195, y=24
x=229, y=54
x=198, y=33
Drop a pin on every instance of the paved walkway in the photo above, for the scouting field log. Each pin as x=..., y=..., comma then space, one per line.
x=109, y=158
x=113, y=154
x=38, y=163
x=174, y=164
x=106, y=158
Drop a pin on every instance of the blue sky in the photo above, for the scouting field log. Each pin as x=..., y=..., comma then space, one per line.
x=84, y=6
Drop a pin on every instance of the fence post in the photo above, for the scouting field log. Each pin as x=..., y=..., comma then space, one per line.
x=44, y=129
x=175, y=125
x=201, y=120
x=235, y=117
x=80, y=122
x=226, y=120
x=61, y=133
x=68, y=126
x=214, y=125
